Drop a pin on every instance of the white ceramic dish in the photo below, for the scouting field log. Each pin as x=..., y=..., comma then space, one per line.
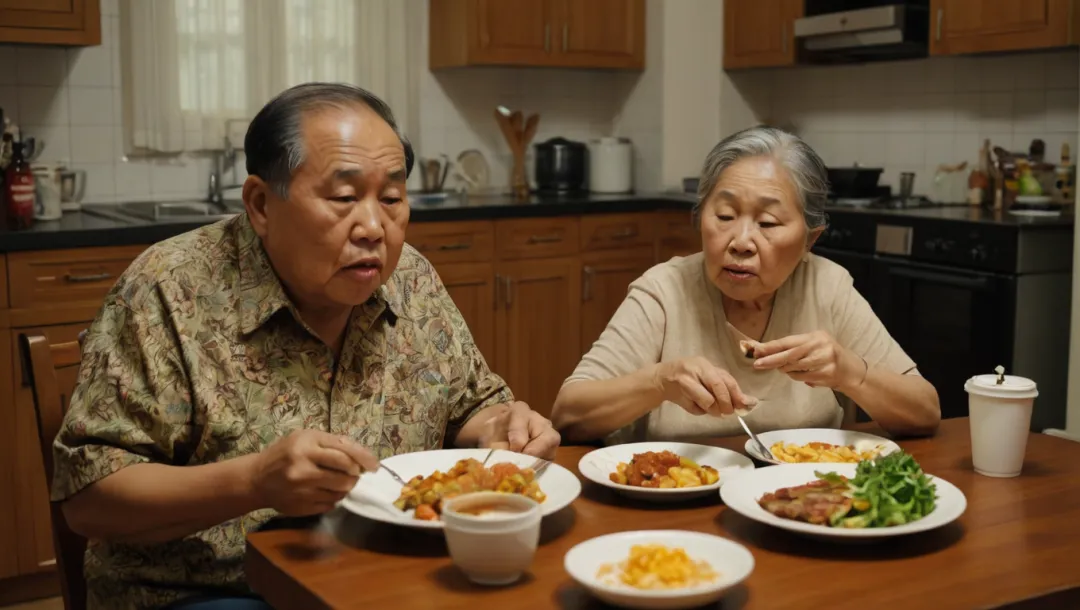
x=861, y=440
x=742, y=495
x=597, y=465
x=731, y=560
x=375, y=492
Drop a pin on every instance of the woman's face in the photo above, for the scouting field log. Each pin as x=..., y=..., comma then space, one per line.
x=752, y=229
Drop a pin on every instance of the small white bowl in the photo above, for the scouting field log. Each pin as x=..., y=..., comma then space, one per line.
x=496, y=546
x=731, y=560
x=862, y=441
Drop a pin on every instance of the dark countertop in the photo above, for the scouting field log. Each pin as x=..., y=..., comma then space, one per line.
x=85, y=230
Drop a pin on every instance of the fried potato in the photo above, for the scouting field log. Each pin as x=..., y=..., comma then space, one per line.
x=820, y=452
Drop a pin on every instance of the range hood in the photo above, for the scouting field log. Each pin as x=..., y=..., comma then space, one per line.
x=880, y=33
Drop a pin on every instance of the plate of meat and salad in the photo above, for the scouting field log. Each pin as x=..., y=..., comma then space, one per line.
x=886, y=496
x=661, y=471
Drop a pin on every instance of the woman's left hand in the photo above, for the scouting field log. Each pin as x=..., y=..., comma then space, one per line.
x=815, y=359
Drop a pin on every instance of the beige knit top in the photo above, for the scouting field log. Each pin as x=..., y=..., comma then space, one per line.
x=673, y=311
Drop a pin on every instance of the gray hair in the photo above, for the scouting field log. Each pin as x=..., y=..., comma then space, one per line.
x=804, y=166
x=274, y=143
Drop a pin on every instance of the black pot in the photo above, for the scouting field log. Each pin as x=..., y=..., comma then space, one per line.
x=560, y=166
x=853, y=181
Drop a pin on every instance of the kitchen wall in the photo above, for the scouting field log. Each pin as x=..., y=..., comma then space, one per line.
x=915, y=115
x=70, y=100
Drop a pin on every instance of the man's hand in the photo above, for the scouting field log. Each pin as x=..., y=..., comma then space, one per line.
x=308, y=471
x=521, y=429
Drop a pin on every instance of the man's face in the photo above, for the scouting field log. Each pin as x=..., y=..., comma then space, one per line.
x=339, y=234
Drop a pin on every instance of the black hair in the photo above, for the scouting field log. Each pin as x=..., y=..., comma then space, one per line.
x=274, y=144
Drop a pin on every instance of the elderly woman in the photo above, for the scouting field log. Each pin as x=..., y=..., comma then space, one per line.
x=755, y=323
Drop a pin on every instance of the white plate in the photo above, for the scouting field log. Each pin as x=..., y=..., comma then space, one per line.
x=800, y=436
x=742, y=495
x=597, y=465
x=375, y=492
x=731, y=560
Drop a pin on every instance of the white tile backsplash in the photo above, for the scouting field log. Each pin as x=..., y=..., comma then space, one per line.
x=917, y=115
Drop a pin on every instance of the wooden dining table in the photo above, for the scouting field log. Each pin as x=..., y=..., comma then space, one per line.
x=1016, y=546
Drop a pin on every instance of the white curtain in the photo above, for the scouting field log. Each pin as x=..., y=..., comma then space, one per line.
x=192, y=65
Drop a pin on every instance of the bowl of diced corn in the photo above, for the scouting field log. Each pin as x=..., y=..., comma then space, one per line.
x=659, y=569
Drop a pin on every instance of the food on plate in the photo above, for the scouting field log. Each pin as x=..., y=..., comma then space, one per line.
x=655, y=566
x=425, y=494
x=885, y=491
x=822, y=452
x=663, y=470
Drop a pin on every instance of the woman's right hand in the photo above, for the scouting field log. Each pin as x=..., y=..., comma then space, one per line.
x=700, y=387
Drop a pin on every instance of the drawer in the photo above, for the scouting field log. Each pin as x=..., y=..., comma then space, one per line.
x=64, y=277
x=676, y=235
x=611, y=231
x=453, y=242
x=536, y=238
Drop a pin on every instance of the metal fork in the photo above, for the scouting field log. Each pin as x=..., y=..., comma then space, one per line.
x=396, y=476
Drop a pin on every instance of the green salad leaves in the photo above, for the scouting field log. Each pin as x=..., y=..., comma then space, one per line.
x=886, y=491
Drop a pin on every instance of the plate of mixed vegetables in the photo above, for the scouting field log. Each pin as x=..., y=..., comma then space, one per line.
x=878, y=498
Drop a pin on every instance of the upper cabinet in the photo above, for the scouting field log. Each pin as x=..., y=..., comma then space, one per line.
x=53, y=22
x=549, y=33
x=759, y=34
x=980, y=26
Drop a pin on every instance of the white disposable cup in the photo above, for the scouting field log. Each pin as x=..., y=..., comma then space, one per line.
x=1000, y=417
x=492, y=549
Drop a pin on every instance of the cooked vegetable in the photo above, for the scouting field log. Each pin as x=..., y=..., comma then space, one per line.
x=890, y=490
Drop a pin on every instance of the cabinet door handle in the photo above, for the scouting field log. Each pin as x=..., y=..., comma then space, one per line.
x=547, y=38
x=449, y=247
x=624, y=234
x=587, y=274
x=509, y=291
x=94, y=277
x=565, y=36
x=937, y=28
x=544, y=239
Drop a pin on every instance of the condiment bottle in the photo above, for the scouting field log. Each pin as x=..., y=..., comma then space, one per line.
x=19, y=190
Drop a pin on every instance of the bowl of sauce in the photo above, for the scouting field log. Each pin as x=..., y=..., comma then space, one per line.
x=492, y=536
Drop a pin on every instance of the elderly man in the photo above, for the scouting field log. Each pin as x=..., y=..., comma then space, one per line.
x=258, y=366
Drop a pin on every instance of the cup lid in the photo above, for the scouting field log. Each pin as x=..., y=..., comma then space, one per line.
x=1012, y=387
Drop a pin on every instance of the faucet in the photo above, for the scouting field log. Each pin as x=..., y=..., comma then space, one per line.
x=222, y=160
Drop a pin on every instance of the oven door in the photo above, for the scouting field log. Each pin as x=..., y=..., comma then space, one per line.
x=954, y=323
x=858, y=264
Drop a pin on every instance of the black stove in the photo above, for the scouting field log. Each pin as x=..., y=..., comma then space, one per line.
x=963, y=291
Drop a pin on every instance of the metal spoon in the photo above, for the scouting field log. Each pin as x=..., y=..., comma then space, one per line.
x=761, y=446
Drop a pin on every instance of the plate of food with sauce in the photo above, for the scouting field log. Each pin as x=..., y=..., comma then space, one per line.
x=819, y=446
x=661, y=471
x=433, y=476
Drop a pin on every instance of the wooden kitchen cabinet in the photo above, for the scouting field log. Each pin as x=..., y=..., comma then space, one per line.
x=472, y=288
x=35, y=547
x=677, y=235
x=52, y=22
x=760, y=34
x=544, y=33
x=984, y=26
x=537, y=328
x=605, y=279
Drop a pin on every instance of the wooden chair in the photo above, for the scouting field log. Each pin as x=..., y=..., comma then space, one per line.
x=42, y=361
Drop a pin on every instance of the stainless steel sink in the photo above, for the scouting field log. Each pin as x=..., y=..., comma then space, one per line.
x=168, y=211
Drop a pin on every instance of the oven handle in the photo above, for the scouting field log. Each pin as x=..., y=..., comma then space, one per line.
x=975, y=283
